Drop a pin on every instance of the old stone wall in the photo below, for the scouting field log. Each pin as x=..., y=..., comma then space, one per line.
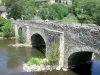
x=81, y=37
x=69, y=37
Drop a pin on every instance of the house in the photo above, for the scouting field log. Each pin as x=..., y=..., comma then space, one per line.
x=3, y=12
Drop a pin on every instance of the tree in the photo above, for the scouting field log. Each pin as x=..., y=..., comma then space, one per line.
x=44, y=13
x=86, y=11
x=7, y=28
x=25, y=9
x=52, y=15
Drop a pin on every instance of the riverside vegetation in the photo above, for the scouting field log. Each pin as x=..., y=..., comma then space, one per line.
x=52, y=60
x=39, y=64
x=85, y=11
x=6, y=29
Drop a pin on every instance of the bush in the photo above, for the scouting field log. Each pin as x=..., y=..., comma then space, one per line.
x=86, y=11
x=44, y=13
x=38, y=61
x=52, y=15
x=54, y=11
x=6, y=28
x=60, y=9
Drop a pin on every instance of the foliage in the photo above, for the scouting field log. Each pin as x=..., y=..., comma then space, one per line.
x=2, y=22
x=6, y=28
x=23, y=9
x=38, y=61
x=53, y=57
x=70, y=19
x=44, y=13
x=54, y=54
x=52, y=15
x=86, y=11
x=21, y=38
x=1, y=34
x=54, y=11
x=60, y=9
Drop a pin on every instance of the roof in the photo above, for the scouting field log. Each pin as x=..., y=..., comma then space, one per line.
x=2, y=8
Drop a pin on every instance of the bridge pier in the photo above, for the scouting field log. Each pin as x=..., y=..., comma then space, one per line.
x=61, y=49
x=28, y=39
x=16, y=34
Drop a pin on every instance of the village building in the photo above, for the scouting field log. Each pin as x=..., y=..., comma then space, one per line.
x=3, y=12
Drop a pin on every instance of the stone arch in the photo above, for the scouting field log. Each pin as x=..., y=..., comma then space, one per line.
x=82, y=49
x=20, y=30
x=75, y=50
x=79, y=58
x=38, y=42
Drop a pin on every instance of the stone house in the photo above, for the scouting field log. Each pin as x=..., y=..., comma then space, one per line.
x=3, y=12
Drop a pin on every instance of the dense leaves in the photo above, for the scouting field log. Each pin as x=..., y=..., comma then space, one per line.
x=23, y=9
x=54, y=11
x=6, y=28
x=87, y=11
x=44, y=13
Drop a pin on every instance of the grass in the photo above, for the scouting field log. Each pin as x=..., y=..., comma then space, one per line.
x=38, y=61
x=69, y=19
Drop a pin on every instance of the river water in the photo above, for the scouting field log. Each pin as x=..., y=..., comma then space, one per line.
x=11, y=60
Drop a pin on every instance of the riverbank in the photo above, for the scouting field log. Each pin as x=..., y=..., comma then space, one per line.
x=7, y=38
x=41, y=68
x=20, y=45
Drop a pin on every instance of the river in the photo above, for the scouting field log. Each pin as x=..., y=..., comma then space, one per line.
x=11, y=60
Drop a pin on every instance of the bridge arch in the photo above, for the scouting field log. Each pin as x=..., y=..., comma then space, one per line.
x=79, y=58
x=20, y=30
x=38, y=42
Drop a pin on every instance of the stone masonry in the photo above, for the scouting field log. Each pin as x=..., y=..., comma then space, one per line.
x=69, y=37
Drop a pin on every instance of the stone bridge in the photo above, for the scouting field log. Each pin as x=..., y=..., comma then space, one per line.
x=75, y=42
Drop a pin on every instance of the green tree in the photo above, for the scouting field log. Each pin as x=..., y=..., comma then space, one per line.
x=61, y=10
x=25, y=9
x=86, y=11
x=44, y=13
x=52, y=15
x=7, y=29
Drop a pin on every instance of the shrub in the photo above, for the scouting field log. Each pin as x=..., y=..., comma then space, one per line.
x=44, y=13
x=38, y=61
x=59, y=10
x=54, y=54
x=6, y=28
x=54, y=11
x=52, y=15
x=86, y=11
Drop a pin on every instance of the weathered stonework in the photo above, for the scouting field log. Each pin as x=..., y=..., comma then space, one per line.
x=69, y=37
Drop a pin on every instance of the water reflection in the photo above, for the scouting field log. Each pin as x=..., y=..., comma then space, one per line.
x=84, y=69
x=13, y=62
